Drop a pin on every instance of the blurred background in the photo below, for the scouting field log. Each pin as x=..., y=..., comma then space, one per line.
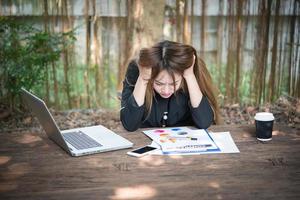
x=74, y=53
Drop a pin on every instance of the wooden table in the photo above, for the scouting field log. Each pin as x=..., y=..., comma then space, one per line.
x=33, y=167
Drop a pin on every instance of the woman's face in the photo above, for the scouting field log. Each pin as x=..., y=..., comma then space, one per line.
x=164, y=84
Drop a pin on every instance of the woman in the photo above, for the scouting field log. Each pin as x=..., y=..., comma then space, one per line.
x=168, y=86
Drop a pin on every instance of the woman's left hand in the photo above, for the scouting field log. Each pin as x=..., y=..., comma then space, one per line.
x=189, y=71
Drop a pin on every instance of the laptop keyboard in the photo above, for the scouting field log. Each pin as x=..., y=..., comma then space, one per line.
x=80, y=141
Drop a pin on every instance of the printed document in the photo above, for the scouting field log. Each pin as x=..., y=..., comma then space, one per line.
x=196, y=141
x=182, y=140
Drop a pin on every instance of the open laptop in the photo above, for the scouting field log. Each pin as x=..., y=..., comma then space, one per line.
x=78, y=141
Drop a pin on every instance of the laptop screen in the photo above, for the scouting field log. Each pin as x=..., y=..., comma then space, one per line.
x=40, y=110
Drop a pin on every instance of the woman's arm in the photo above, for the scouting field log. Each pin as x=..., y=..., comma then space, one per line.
x=193, y=87
x=202, y=115
x=194, y=90
x=132, y=102
x=201, y=110
x=139, y=91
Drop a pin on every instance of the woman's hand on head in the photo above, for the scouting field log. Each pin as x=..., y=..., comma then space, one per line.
x=189, y=71
x=145, y=72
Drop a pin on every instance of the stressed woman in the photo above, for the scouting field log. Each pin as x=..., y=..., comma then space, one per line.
x=167, y=85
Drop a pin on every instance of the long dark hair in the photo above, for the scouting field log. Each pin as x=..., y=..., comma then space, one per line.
x=175, y=58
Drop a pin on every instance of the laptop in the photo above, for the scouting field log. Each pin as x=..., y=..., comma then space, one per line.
x=78, y=141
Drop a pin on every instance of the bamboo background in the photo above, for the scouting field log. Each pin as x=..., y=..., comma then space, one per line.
x=251, y=47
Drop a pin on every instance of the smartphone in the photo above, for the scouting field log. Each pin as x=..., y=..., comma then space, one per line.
x=139, y=152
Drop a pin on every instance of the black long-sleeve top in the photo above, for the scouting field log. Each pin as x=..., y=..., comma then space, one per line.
x=178, y=108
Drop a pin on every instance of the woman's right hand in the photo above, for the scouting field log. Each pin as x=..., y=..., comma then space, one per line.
x=145, y=72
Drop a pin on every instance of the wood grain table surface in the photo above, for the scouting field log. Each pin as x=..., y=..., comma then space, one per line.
x=33, y=167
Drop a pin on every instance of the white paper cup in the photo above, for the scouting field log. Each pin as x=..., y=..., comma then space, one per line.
x=264, y=125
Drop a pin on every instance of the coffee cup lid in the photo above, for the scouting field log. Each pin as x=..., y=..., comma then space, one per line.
x=264, y=116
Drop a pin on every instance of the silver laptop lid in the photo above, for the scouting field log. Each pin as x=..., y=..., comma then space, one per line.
x=40, y=110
